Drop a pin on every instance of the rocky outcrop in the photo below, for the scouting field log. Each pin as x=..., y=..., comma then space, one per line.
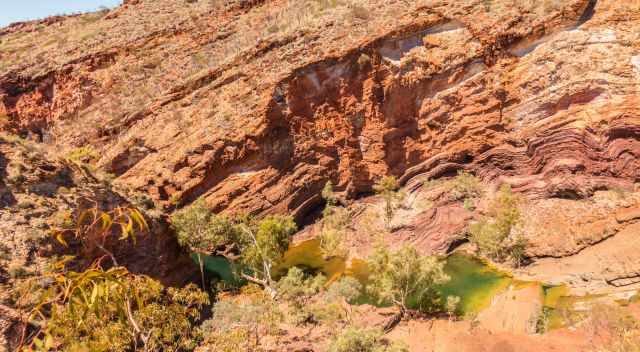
x=237, y=103
x=530, y=95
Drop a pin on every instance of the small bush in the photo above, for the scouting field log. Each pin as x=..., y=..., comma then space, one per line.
x=493, y=234
x=347, y=289
x=113, y=310
x=198, y=229
x=404, y=275
x=84, y=154
x=388, y=187
x=334, y=223
x=94, y=227
x=333, y=305
x=261, y=243
x=465, y=186
x=298, y=289
x=239, y=323
x=364, y=61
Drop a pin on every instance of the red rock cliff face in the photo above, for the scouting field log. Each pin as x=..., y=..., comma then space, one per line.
x=256, y=112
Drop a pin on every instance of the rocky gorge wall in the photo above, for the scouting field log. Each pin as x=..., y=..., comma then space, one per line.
x=544, y=98
x=255, y=105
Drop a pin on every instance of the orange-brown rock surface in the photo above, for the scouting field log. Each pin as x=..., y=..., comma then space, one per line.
x=203, y=101
x=255, y=104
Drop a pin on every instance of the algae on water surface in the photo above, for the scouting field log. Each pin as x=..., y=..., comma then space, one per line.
x=474, y=281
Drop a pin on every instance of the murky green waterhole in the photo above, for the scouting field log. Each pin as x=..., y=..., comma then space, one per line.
x=472, y=280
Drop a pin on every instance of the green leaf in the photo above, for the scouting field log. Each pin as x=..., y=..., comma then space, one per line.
x=38, y=343
x=106, y=221
x=127, y=229
x=94, y=294
x=60, y=238
x=139, y=219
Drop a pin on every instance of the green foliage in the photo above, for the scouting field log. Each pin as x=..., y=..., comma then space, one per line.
x=332, y=243
x=264, y=243
x=404, y=274
x=93, y=227
x=468, y=204
x=333, y=305
x=364, y=61
x=84, y=154
x=387, y=187
x=261, y=244
x=346, y=288
x=113, y=310
x=328, y=195
x=465, y=186
x=334, y=224
x=198, y=229
x=493, y=234
x=298, y=289
x=354, y=339
x=239, y=323
x=452, y=305
x=542, y=324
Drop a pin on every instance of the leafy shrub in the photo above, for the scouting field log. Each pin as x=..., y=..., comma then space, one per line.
x=364, y=61
x=452, y=305
x=84, y=154
x=298, y=290
x=332, y=243
x=493, y=234
x=198, y=229
x=297, y=287
x=261, y=243
x=465, y=186
x=113, y=310
x=94, y=227
x=346, y=288
x=328, y=195
x=404, y=274
x=388, y=187
x=239, y=323
x=334, y=222
x=333, y=305
x=354, y=339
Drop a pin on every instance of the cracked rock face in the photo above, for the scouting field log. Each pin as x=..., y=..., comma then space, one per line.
x=543, y=96
x=201, y=103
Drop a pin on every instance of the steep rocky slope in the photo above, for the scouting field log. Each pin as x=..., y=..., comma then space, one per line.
x=37, y=192
x=254, y=105
x=255, y=112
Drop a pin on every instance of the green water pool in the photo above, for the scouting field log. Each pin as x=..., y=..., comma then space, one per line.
x=473, y=280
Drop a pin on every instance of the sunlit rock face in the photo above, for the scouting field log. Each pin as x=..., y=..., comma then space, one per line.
x=543, y=96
